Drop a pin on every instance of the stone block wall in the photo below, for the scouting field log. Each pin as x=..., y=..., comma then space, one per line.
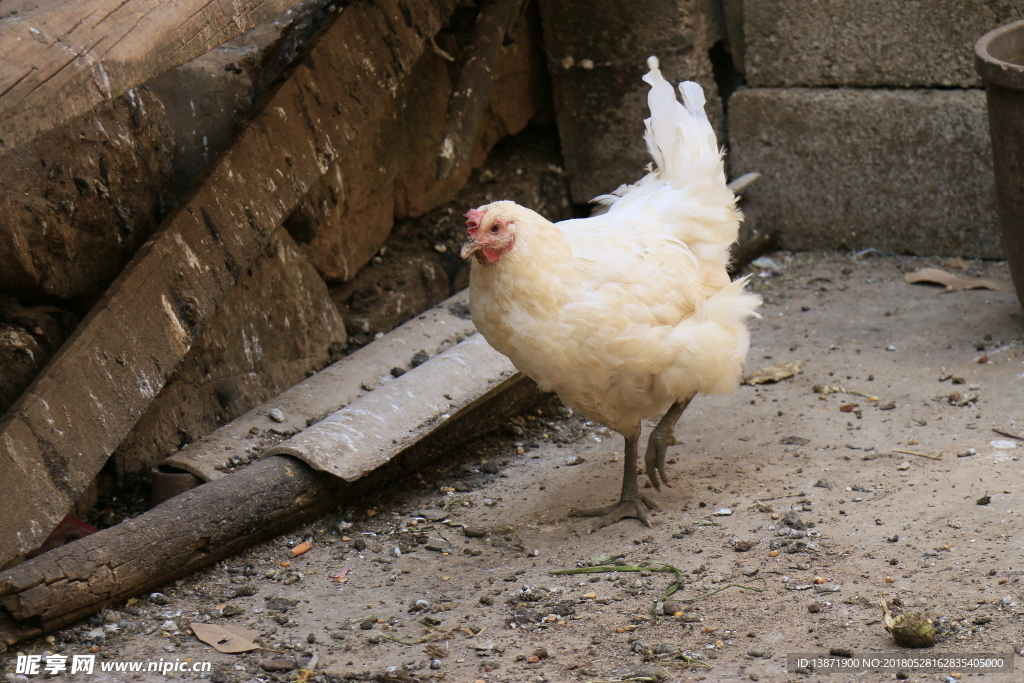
x=868, y=123
x=868, y=43
x=898, y=170
x=597, y=52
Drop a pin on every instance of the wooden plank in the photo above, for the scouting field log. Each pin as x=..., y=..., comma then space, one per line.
x=214, y=520
x=62, y=59
x=61, y=432
x=328, y=391
x=476, y=75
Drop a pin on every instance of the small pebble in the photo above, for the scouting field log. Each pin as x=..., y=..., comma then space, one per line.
x=892, y=538
x=277, y=416
x=724, y=512
x=814, y=608
x=903, y=466
x=278, y=665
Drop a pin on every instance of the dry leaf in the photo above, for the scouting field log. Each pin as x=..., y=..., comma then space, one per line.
x=950, y=281
x=773, y=373
x=227, y=639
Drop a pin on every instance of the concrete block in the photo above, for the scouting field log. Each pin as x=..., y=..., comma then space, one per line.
x=904, y=171
x=597, y=53
x=868, y=43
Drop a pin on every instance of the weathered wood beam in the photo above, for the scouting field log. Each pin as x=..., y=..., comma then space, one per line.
x=222, y=517
x=62, y=59
x=56, y=438
x=476, y=76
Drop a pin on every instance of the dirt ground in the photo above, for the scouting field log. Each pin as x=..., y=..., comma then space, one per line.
x=447, y=577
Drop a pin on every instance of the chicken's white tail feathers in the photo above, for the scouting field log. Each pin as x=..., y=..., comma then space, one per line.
x=685, y=198
x=679, y=135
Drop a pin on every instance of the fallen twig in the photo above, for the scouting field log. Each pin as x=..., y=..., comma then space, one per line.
x=923, y=455
x=788, y=495
x=433, y=635
x=826, y=389
x=718, y=590
x=1008, y=435
x=693, y=661
x=436, y=651
x=455, y=501
x=642, y=567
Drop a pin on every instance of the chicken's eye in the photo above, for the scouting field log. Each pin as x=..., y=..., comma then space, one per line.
x=495, y=229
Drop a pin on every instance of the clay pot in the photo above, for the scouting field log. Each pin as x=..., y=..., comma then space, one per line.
x=999, y=59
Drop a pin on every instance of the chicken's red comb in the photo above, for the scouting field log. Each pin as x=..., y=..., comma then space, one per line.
x=474, y=218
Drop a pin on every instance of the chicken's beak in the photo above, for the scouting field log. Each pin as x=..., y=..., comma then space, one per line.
x=470, y=247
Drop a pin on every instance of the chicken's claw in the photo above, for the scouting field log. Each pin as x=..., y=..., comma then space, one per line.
x=658, y=443
x=637, y=508
x=654, y=460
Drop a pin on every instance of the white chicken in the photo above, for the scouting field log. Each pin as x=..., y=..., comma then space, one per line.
x=631, y=313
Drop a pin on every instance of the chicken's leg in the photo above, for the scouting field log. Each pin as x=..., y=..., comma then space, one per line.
x=631, y=503
x=657, y=444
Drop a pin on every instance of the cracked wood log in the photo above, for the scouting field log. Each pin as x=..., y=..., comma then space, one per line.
x=56, y=438
x=222, y=517
x=476, y=76
x=62, y=59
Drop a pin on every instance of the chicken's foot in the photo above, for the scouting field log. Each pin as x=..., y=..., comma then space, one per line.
x=631, y=503
x=657, y=444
